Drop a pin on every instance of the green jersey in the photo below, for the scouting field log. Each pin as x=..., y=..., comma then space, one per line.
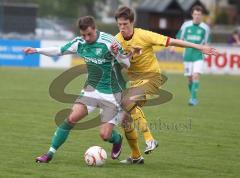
x=195, y=33
x=104, y=72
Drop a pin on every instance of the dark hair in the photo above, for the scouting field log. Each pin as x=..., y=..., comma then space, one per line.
x=125, y=12
x=85, y=22
x=197, y=8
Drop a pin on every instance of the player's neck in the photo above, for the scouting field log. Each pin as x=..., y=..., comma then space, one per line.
x=196, y=23
x=129, y=37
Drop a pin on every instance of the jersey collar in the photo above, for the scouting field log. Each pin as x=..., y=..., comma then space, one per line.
x=197, y=24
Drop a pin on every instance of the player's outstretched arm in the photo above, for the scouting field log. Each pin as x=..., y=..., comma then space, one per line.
x=51, y=51
x=204, y=48
x=29, y=50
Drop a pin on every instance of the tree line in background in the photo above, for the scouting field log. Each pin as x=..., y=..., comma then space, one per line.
x=62, y=8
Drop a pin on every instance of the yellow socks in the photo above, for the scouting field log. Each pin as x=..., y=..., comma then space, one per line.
x=141, y=123
x=131, y=136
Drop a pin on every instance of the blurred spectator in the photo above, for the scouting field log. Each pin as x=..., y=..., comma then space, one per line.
x=234, y=39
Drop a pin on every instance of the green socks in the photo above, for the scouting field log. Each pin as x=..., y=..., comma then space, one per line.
x=194, y=89
x=62, y=132
x=190, y=86
x=115, y=138
x=60, y=136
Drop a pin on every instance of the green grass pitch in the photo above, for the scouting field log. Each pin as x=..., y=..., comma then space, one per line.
x=201, y=141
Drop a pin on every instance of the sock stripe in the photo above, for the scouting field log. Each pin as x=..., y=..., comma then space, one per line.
x=53, y=150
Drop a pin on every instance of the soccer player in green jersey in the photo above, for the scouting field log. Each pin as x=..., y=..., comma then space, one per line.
x=197, y=32
x=104, y=84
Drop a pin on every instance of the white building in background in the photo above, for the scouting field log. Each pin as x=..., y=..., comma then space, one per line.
x=212, y=4
x=209, y=3
x=107, y=10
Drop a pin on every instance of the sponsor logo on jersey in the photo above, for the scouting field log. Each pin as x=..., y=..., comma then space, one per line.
x=199, y=32
x=194, y=37
x=98, y=51
x=95, y=60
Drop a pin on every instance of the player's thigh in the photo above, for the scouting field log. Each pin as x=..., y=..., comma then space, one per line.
x=109, y=106
x=188, y=68
x=89, y=97
x=197, y=69
x=149, y=83
x=78, y=112
x=110, y=113
x=139, y=93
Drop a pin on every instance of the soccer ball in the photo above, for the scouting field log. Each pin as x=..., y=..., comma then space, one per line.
x=95, y=156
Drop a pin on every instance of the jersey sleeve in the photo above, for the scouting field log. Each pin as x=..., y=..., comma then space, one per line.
x=155, y=38
x=71, y=47
x=207, y=36
x=50, y=51
x=209, y=39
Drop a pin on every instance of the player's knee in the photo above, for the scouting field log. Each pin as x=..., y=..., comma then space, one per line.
x=76, y=116
x=105, y=135
x=78, y=112
x=70, y=121
x=190, y=79
x=143, y=127
x=73, y=119
x=131, y=134
x=127, y=125
x=195, y=76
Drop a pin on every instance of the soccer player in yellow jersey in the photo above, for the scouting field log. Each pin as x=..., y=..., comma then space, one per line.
x=144, y=75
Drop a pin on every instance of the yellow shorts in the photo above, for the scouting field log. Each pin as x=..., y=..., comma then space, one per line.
x=143, y=87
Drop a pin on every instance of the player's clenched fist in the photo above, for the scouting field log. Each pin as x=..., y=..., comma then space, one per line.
x=29, y=50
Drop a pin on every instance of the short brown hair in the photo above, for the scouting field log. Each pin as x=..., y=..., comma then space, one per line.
x=85, y=22
x=197, y=8
x=125, y=12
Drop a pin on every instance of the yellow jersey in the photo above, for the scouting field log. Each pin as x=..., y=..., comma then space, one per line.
x=144, y=39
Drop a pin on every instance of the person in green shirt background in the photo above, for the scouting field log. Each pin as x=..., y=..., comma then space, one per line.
x=195, y=31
